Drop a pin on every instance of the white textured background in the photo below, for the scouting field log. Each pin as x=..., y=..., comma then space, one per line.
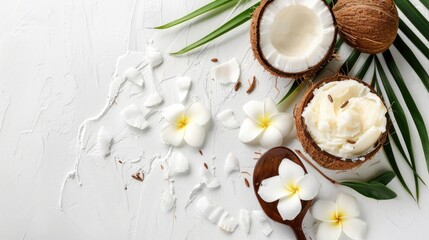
x=56, y=62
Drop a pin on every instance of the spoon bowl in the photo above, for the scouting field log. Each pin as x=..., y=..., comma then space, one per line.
x=266, y=167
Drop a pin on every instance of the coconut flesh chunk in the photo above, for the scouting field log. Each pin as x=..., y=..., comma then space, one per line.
x=295, y=36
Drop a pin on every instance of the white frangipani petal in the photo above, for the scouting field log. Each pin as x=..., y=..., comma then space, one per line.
x=270, y=108
x=179, y=164
x=355, y=228
x=173, y=135
x=194, y=135
x=289, y=207
x=198, y=114
x=183, y=85
x=173, y=113
x=135, y=117
x=348, y=205
x=328, y=231
x=271, y=137
x=272, y=189
x=227, y=72
x=249, y=131
x=323, y=210
x=337, y=217
x=231, y=164
x=283, y=122
x=290, y=172
x=254, y=110
x=227, y=119
x=308, y=187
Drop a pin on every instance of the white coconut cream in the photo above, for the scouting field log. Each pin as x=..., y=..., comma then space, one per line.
x=345, y=118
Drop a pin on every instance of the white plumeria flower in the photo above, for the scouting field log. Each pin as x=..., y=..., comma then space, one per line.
x=337, y=217
x=185, y=124
x=290, y=187
x=265, y=124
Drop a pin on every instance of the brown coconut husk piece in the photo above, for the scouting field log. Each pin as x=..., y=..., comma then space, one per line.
x=323, y=158
x=369, y=26
x=257, y=52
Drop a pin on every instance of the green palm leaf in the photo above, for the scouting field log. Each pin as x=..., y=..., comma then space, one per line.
x=414, y=111
x=228, y=26
x=362, y=71
x=412, y=60
x=400, y=118
x=415, y=17
x=413, y=38
x=209, y=7
x=350, y=62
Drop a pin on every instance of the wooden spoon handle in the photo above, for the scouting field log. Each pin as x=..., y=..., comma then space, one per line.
x=299, y=233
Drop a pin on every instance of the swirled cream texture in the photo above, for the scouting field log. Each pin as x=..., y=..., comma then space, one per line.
x=345, y=118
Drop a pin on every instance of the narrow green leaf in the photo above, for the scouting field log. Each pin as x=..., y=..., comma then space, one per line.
x=291, y=90
x=414, y=111
x=414, y=38
x=209, y=7
x=383, y=178
x=387, y=148
x=400, y=118
x=362, y=71
x=415, y=17
x=228, y=26
x=408, y=54
x=350, y=62
x=373, y=190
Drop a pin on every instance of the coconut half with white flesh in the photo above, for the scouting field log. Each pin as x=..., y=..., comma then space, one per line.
x=293, y=38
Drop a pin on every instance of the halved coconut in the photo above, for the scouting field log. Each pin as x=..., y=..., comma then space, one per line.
x=333, y=103
x=293, y=38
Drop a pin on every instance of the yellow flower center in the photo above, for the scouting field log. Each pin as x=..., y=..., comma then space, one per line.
x=182, y=122
x=338, y=218
x=292, y=188
x=264, y=122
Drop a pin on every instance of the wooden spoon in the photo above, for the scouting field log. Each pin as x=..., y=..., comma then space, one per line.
x=268, y=166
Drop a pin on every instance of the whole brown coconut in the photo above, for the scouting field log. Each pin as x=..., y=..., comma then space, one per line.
x=323, y=158
x=369, y=26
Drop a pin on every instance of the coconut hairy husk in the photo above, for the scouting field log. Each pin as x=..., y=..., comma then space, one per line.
x=369, y=26
x=257, y=52
x=323, y=158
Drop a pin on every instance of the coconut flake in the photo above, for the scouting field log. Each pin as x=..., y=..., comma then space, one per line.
x=194, y=193
x=167, y=200
x=153, y=100
x=227, y=119
x=209, y=180
x=135, y=117
x=104, y=142
x=227, y=72
x=245, y=220
x=231, y=164
x=216, y=214
x=263, y=221
x=134, y=75
x=179, y=164
x=154, y=56
x=183, y=85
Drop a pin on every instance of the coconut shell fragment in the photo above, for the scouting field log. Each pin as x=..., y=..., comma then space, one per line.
x=369, y=26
